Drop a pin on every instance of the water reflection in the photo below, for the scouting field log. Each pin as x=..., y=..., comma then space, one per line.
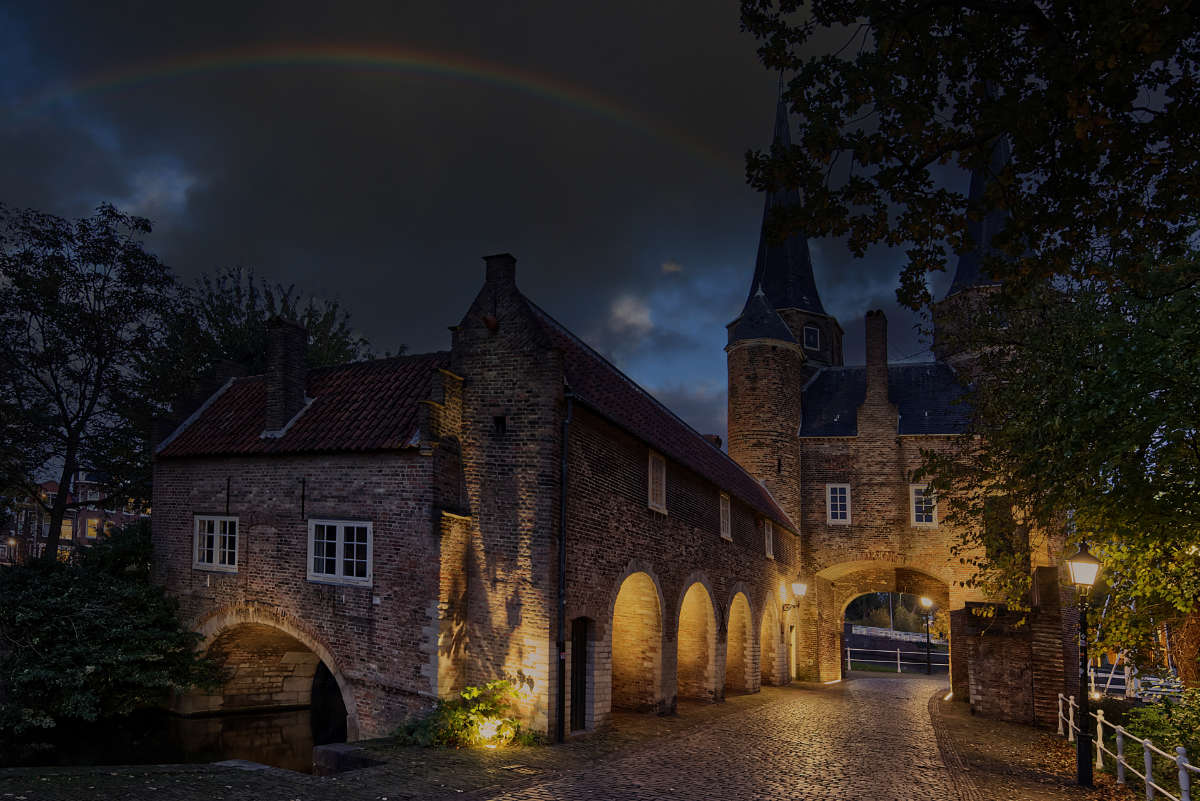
x=282, y=739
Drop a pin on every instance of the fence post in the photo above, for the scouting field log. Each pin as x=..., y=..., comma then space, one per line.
x=1185, y=778
x=848, y=667
x=1060, y=715
x=1120, y=755
x=1071, y=720
x=897, y=660
x=1099, y=739
x=1148, y=759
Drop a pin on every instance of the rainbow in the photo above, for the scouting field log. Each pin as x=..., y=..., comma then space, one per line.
x=401, y=60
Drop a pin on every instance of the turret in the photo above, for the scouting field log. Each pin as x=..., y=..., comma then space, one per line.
x=972, y=285
x=783, y=273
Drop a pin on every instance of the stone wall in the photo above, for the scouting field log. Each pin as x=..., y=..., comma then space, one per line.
x=380, y=641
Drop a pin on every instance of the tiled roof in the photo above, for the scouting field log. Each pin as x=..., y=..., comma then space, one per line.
x=601, y=386
x=363, y=406
x=926, y=394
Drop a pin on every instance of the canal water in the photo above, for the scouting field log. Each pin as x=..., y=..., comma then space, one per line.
x=284, y=739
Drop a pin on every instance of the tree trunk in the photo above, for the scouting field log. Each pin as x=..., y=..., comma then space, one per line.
x=59, y=508
x=1185, y=647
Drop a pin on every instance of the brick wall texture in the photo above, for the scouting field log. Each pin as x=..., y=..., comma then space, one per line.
x=466, y=536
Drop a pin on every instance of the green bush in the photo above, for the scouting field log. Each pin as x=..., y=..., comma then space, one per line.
x=90, y=640
x=477, y=716
x=1167, y=724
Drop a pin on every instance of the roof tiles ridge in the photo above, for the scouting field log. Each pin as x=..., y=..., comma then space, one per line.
x=644, y=391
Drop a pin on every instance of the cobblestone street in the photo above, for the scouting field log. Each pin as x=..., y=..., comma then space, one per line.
x=872, y=737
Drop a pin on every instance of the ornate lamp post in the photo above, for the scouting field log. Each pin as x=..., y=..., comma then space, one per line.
x=927, y=602
x=1083, y=568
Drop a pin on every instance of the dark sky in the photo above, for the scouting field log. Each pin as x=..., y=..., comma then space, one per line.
x=372, y=152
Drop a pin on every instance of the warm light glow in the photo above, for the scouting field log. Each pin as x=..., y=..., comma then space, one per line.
x=948, y=696
x=488, y=731
x=926, y=601
x=799, y=589
x=1095, y=695
x=1083, y=568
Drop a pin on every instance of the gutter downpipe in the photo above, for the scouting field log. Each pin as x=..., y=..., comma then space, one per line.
x=561, y=724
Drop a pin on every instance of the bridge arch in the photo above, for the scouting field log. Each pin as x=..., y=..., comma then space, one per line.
x=272, y=661
x=696, y=642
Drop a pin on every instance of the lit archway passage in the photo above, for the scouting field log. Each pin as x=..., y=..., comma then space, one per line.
x=770, y=656
x=739, y=662
x=697, y=644
x=636, y=644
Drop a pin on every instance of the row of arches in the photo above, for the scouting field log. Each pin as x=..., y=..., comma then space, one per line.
x=706, y=662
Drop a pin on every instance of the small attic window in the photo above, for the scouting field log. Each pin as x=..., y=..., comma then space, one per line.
x=500, y=424
x=812, y=337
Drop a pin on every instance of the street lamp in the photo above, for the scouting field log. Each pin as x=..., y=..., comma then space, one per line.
x=1083, y=568
x=799, y=589
x=927, y=602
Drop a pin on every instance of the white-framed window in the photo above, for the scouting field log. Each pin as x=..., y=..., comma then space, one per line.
x=812, y=337
x=769, y=538
x=726, y=520
x=216, y=543
x=837, y=503
x=340, y=551
x=656, y=483
x=923, y=505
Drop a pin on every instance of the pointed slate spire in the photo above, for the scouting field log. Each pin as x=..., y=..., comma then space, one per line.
x=970, y=271
x=783, y=270
x=759, y=321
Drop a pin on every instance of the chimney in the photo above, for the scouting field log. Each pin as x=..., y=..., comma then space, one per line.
x=876, y=338
x=714, y=440
x=877, y=360
x=287, y=371
x=501, y=270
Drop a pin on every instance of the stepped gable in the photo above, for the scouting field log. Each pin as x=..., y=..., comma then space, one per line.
x=605, y=389
x=362, y=406
x=926, y=394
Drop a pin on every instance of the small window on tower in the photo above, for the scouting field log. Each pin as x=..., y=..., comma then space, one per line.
x=812, y=337
x=500, y=424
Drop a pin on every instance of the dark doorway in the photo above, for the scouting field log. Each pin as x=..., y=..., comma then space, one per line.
x=579, y=672
x=328, y=711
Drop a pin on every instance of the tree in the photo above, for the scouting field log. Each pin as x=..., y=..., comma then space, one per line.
x=222, y=318
x=1086, y=404
x=80, y=304
x=1100, y=102
x=116, y=643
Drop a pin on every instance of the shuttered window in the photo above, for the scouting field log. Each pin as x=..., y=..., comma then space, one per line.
x=656, y=479
x=726, y=523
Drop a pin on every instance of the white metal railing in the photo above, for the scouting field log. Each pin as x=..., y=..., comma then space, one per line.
x=1184, y=769
x=939, y=660
x=1128, y=683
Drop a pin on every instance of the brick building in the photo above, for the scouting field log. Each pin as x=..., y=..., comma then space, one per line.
x=517, y=507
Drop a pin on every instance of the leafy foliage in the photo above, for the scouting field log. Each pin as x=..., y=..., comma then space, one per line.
x=457, y=722
x=223, y=318
x=91, y=640
x=1098, y=100
x=1167, y=724
x=80, y=303
x=1086, y=400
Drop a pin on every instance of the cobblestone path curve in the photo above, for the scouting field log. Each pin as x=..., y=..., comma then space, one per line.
x=870, y=739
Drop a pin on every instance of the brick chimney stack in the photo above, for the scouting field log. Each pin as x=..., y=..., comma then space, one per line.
x=877, y=356
x=287, y=371
x=501, y=269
